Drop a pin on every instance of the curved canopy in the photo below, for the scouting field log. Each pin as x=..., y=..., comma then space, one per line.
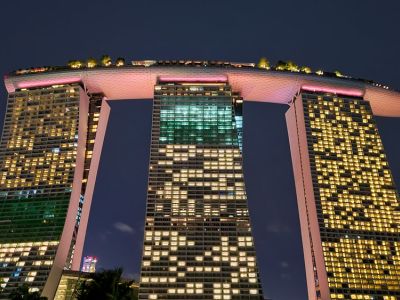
x=134, y=82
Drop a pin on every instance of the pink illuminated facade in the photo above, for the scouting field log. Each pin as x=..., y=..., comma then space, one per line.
x=348, y=206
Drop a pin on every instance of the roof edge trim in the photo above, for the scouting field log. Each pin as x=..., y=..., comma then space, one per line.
x=208, y=78
x=334, y=90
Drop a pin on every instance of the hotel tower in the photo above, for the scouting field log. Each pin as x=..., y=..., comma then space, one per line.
x=349, y=207
x=198, y=241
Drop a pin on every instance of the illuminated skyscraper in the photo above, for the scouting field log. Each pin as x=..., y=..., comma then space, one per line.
x=89, y=264
x=46, y=148
x=349, y=207
x=198, y=242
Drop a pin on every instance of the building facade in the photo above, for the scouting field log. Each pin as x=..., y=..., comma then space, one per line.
x=69, y=284
x=349, y=207
x=198, y=242
x=46, y=145
x=89, y=264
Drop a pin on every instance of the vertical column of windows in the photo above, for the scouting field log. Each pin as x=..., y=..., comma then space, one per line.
x=95, y=101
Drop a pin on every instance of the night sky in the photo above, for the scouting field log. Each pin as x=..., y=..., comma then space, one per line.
x=359, y=38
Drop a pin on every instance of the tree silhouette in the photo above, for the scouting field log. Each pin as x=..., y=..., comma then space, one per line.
x=75, y=64
x=106, y=285
x=281, y=65
x=287, y=66
x=305, y=69
x=91, y=62
x=119, y=62
x=263, y=63
x=106, y=60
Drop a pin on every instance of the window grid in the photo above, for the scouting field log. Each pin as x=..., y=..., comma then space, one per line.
x=37, y=164
x=356, y=200
x=198, y=242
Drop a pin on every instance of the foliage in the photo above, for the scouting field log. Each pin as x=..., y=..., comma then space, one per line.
x=106, y=285
x=280, y=65
x=91, y=62
x=75, y=64
x=338, y=74
x=22, y=293
x=263, y=63
x=119, y=62
x=106, y=60
x=305, y=69
x=287, y=66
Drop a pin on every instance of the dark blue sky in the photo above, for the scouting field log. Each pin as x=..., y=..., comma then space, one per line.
x=359, y=38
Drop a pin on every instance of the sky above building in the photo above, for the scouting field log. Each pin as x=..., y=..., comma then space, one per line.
x=358, y=38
